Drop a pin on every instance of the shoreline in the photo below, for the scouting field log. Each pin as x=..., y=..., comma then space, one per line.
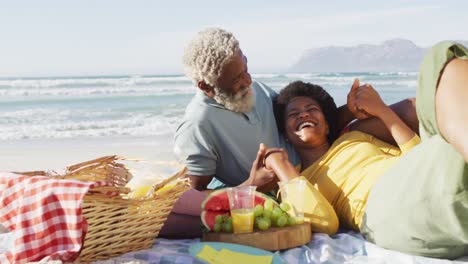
x=50, y=154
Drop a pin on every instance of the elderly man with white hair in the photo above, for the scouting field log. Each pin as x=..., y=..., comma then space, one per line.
x=220, y=137
x=228, y=117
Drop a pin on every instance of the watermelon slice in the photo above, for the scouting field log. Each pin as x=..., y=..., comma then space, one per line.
x=217, y=203
x=208, y=217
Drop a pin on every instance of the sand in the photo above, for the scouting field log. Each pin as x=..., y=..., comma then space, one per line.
x=56, y=154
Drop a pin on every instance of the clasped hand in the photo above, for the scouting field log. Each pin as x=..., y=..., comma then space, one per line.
x=363, y=101
x=261, y=176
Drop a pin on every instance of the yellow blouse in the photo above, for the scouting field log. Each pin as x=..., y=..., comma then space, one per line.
x=344, y=176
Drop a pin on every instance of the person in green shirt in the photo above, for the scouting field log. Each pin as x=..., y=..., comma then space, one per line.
x=415, y=203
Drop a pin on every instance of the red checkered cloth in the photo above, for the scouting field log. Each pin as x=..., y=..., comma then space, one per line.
x=45, y=216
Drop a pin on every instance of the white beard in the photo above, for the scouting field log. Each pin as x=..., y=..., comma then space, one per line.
x=236, y=102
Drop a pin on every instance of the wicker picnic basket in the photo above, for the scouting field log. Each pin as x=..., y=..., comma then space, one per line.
x=120, y=224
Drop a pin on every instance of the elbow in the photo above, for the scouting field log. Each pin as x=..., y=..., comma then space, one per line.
x=328, y=225
x=331, y=226
x=198, y=183
x=408, y=114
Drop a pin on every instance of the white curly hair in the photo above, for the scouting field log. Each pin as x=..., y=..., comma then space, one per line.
x=207, y=53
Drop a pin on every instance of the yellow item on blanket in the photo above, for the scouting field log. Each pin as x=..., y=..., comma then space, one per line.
x=226, y=256
x=208, y=254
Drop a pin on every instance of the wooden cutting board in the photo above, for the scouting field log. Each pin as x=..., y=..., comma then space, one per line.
x=275, y=238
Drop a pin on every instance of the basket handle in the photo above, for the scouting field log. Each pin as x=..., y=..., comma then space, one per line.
x=177, y=175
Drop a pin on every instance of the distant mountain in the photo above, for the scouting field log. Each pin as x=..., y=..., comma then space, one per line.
x=391, y=56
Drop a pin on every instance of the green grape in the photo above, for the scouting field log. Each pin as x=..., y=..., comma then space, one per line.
x=268, y=221
x=217, y=227
x=227, y=227
x=263, y=224
x=268, y=205
x=281, y=221
x=258, y=210
x=276, y=213
x=228, y=220
x=285, y=206
x=219, y=219
x=291, y=220
x=266, y=214
x=258, y=218
x=225, y=217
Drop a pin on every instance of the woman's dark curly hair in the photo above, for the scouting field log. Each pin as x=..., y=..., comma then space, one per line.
x=299, y=88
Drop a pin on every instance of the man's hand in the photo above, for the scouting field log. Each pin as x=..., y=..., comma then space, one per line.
x=260, y=176
x=351, y=102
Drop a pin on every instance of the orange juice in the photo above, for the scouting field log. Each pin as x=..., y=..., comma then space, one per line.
x=242, y=220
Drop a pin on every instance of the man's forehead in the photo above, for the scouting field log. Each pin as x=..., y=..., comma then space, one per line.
x=234, y=66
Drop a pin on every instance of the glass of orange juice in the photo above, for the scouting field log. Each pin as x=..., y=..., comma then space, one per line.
x=241, y=202
x=292, y=192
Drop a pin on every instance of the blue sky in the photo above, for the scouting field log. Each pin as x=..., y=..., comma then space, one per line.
x=51, y=38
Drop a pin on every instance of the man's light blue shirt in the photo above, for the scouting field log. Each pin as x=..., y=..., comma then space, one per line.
x=223, y=143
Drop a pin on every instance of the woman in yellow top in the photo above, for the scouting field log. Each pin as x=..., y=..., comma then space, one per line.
x=343, y=170
x=413, y=201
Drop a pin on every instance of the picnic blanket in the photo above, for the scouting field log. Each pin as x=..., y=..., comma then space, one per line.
x=344, y=247
x=60, y=209
x=44, y=216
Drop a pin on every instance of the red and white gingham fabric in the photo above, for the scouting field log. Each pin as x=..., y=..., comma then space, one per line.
x=45, y=216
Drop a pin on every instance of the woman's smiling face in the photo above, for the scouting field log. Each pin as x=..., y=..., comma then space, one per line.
x=305, y=123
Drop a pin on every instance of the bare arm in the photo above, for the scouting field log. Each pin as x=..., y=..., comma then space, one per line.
x=344, y=117
x=452, y=107
x=200, y=183
x=405, y=109
x=259, y=176
x=368, y=100
x=278, y=162
x=350, y=111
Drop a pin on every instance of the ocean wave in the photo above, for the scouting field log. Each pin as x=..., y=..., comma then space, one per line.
x=346, y=82
x=26, y=125
x=129, y=81
x=335, y=77
x=155, y=84
x=96, y=91
x=399, y=74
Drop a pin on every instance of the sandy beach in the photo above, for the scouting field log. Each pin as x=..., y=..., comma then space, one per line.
x=56, y=154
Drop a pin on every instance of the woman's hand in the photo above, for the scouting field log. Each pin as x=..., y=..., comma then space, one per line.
x=274, y=155
x=277, y=160
x=352, y=102
x=368, y=100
